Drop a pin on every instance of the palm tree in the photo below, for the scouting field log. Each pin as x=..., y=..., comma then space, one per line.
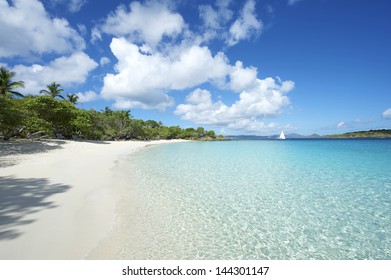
x=73, y=98
x=108, y=111
x=6, y=84
x=54, y=90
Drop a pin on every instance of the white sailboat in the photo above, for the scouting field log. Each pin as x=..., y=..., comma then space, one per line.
x=282, y=135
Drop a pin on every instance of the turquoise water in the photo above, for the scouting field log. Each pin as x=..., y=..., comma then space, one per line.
x=293, y=199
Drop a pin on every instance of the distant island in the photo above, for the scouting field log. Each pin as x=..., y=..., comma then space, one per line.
x=378, y=133
x=271, y=137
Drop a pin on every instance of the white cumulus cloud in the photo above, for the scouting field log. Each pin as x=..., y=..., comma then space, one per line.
x=87, y=96
x=387, y=114
x=104, y=60
x=149, y=66
x=27, y=29
x=242, y=78
x=220, y=21
x=147, y=23
x=246, y=25
x=215, y=19
x=142, y=79
x=155, y=100
x=75, y=5
x=65, y=70
x=266, y=98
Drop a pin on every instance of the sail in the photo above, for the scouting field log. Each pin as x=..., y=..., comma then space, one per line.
x=282, y=135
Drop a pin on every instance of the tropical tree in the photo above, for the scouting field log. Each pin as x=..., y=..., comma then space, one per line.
x=73, y=98
x=53, y=90
x=200, y=131
x=82, y=124
x=7, y=86
x=108, y=111
x=174, y=132
x=188, y=133
x=58, y=116
x=152, y=124
x=11, y=118
x=136, y=130
x=119, y=122
x=211, y=134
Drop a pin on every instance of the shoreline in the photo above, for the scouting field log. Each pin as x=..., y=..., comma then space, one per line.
x=59, y=200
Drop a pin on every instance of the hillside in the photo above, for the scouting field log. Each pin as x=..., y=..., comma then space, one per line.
x=379, y=133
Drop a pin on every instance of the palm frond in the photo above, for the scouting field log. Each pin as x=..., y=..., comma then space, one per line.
x=6, y=83
x=73, y=98
x=18, y=94
x=53, y=90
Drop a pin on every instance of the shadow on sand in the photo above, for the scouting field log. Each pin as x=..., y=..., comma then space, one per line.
x=19, y=197
x=25, y=147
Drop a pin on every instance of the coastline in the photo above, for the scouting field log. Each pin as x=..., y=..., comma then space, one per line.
x=58, y=200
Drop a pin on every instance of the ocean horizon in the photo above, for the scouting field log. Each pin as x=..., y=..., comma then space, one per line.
x=266, y=199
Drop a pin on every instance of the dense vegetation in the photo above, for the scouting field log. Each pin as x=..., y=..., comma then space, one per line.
x=379, y=133
x=52, y=115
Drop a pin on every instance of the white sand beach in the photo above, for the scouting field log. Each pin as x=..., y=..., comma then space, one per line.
x=58, y=198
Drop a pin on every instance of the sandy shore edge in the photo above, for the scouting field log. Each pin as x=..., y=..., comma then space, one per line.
x=60, y=204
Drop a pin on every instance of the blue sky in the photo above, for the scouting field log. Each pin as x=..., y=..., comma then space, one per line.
x=238, y=67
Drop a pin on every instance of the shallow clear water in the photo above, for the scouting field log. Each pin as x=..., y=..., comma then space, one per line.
x=301, y=199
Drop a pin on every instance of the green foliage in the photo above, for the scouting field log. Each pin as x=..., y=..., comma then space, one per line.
x=175, y=132
x=200, y=131
x=51, y=117
x=164, y=133
x=136, y=130
x=211, y=134
x=152, y=124
x=35, y=124
x=48, y=116
x=378, y=133
x=82, y=124
x=11, y=118
x=98, y=125
x=73, y=98
x=188, y=133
